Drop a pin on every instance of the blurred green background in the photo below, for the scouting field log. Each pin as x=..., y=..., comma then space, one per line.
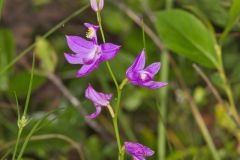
x=24, y=22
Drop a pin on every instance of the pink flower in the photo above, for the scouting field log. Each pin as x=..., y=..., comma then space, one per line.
x=138, y=151
x=99, y=99
x=89, y=53
x=97, y=5
x=140, y=76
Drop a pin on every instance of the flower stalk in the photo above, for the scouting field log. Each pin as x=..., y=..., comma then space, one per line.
x=119, y=93
x=226, y=86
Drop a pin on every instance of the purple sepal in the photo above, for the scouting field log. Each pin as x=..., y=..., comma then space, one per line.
x=97, y=5
x=138, y=151
x=99, y=100
x=139, y=76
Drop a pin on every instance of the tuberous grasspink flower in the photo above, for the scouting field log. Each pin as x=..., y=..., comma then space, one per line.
x=99, y=99
x=138, y=151
x=97, y=5
x=89, y=53
x=139, y=76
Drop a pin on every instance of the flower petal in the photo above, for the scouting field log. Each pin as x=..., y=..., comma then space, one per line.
x=109, y=51
x=153, y=68
x=153, y=85
x=73, y=58
x=98, y=98
x=79, y=45
x=138, y=64
x=86, y=69
x=138, y=151
x=89, y=25
x=95, y=114
x=138, y=158
x=95, y=6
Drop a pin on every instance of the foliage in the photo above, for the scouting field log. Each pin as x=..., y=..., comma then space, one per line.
x=190, y=32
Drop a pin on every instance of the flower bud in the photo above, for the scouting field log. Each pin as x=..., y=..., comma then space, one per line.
x=97, y=5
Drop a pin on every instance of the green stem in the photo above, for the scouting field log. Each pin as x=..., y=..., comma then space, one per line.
x=115, y=125
x=17, y=143
x=163, y=93
x=59, y=25
x=104, y=41
x=226, y=86
x=143, y=35
x=119, y=93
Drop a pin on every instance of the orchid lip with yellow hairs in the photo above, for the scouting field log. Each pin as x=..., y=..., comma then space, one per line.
x=89, y=53
x=97, y=5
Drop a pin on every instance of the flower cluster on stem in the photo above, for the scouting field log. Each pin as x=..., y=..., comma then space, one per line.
x=90, y=55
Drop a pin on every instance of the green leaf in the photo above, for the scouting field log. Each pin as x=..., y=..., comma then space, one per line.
x=7, y=49
x=233, y=17
x=47, y=55
x=184, y=34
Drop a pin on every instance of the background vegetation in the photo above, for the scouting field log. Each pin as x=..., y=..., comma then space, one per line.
x=192, y=118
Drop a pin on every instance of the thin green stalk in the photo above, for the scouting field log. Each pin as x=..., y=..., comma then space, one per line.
x=22, y=122
x=17, y=143
x=227, y=88
x=51, y=31
x=204, y=129
x=104, y=40
x=163, y=93
x=29, y=88
x=35, y=127
x=116, y=130
x=143, y=34
x=119, y=92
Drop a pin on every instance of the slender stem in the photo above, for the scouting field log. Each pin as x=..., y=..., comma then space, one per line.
x=143, y=34
x=226, y=86
x=17, y=143
x=118, y=102
x=115, y=125
x=104, y=41
x=163, y=93
x=111, y=111
x=119, y=92
x=124, y=82
x=29, y=88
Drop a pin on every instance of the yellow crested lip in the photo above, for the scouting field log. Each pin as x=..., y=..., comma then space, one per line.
x=90, y=33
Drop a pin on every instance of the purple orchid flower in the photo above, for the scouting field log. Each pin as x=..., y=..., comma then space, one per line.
x=97, y=5
x=99, y=99
x=89, y=53
x=138, y=151
x=139, y=76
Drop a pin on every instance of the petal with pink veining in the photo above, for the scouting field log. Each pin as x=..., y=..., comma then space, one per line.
x=95, y=114
x=153, y=68
x=73, y=58
x=86, y=69
x=109, y=51
x=153, y=84
x=98, y=98
x=79, y=45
